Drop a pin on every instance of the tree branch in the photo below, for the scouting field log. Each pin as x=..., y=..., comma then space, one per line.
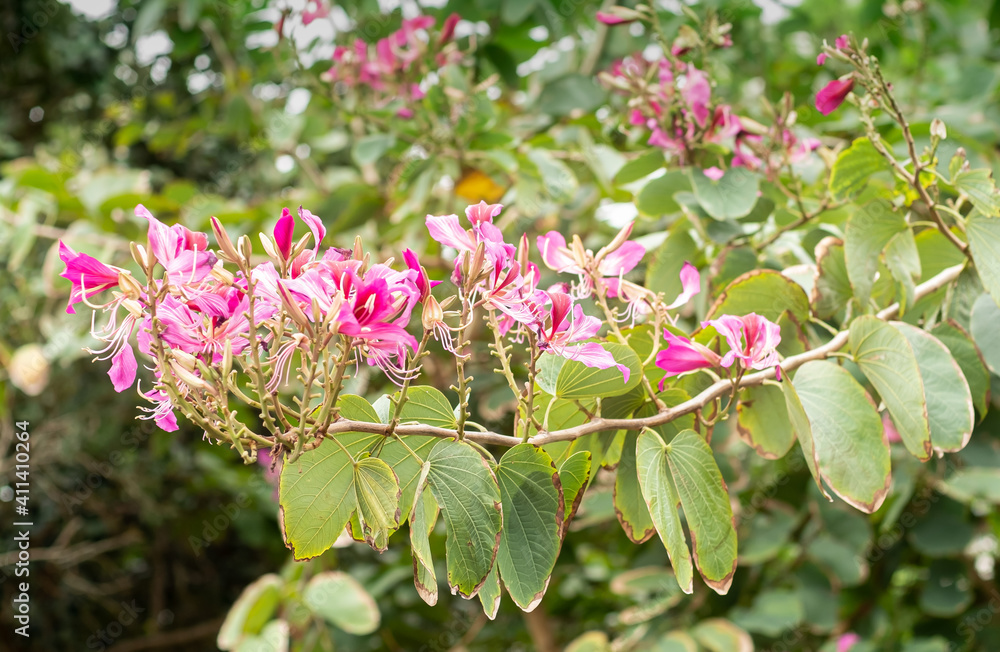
x=716, y=390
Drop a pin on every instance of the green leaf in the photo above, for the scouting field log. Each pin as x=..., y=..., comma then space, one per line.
x=850, y=451
x=868, y=232
x=576, y=380
x=663, y=273
x=772, y=612
x=854, y=167
x=763, y=421
x=341, y=601
x=984, y=240
x=982, y=191
x=676, y=641
x=273, y=638
x=944, y=531
x=406, y=468
x=903, y=260
x=832, y=290
x=765, y=292
x=720, y=635
x=549, y=366
x=657, y=197
x=558, y=179
x=705, y=500
x=466, y=489
x=887, y=360
x=533, y=512
x=251, y=611
x=513, y=12
x=574, y=92
x=630, y=506
x=590, y=642
x=427, y=405
x=974, y=484
x=983, y=326
x=661, y=498
x=639, y=167
x=799, y=422
x=949, y=401
x=489, y=595
x=422, y=520
x=947, y=592
x=574, y=473
x=731, y=197
x=378, y=495
x=369, y=149
x=967, y=354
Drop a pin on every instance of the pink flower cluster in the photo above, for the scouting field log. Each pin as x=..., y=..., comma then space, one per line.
x=835, y=92
x=391, y=68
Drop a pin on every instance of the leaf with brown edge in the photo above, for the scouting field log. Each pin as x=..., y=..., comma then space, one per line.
x=765, y=292
x=630, y=507
x=466, y=490
x=378, y=495
x=574, y=473
x=705, y=498
x=531, y=496
x=489, y=595
x=763, y=423
x=850, y=445
x=422, y=519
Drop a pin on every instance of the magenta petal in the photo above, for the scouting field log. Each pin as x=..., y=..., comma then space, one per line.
x=315, y=225
x=594, y=355
x=713, y=173
x=555, y=255
x=283, y=232
x=821, y=59
x=483, y=212
x=446, y=230
x=842, y=41
x=167, y=421
x=697, y=93
x=833, y=94
x=622, y=260
x=123, y=368
x=612, y=19
x=690, y=285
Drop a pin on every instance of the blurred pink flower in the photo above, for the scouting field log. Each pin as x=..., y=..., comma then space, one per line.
x=833, y=94
x=847, y=641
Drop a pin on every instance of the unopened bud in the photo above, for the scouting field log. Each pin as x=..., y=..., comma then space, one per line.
x=188, y=377
x=184, y=359
x=226, y=248
x=222, y=274
x=938, y=130
x=291, y=306
x=359, y=251
x=245, y=248
x=227, y=360
x=478, y=258
x=616, y=243
x=139, y=255
x=130, y=287
x=269, y=247
x=133, y=307
x=433, y=313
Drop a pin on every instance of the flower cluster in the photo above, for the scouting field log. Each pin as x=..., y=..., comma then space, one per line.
x=308, y=312
x=835, y=92
x=393, y=68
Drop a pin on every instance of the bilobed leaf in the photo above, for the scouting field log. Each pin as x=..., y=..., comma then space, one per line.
x=251, y=611
x=886, y=359
x=549, y=366
x=982, y=191
x=799, y=422
x=316, y=494
x=831, y=287
x=378, y=493
x=657, y=197
x=765, y=292
x=705, y=500
x=968, y=357
x=720, y=635
x=661, y=498
x=848, y=444
x=630, y=506
x=574, y=474
x=663, y=273
x=950, y=412
x=854, y=167
x=427, y=405
x=576, y=380
x=984, y=240
x=422, y=520
x=731, y=197
x=639, y=167
x=406, y=468
x=903, y=260
x=341, y=601
x=868, y=232
x=466, y=490
x=983, y=326
x=532, y=501
x=763, y=421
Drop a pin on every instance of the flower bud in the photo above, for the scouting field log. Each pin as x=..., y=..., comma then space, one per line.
x=269, y=247
x=139, y=255
x=184, y=359
x=938, y=130
x=245, y=248
x=189, y=378
x=616, y=243
x=226, y=248
x=130, y=287
x=28, y=369
x=433, y=313
x=222, y=275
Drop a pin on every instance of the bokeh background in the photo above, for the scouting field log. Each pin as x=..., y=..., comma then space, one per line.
x=143, y=540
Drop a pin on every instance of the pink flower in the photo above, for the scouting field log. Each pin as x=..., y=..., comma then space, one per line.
x=123, y=368
x=821, y=59
x=321, y=11
x=713, y=173
x=614, y=18
x=682, y=355
x=842, y=42
x=690, y=285
x=482, y=212
x=88, y=275
x=448, y=28
x=559, y=332
x=833, y=94
x=848, y=640
x=891, y=434
x=182, y=253
x=696, y=93
x=424, y=284
x=751, y=338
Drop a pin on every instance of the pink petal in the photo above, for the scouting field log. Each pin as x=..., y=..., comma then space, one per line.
x=713, y=173
x=696, y=93
x=622, y=260
x=682, y=355
x=555, y=255
x=848, y=640
x=315, y=225
x=283, y=232
x=821, y=59
x=612, y=19
x=690, y=285
x=123, y=368
x=833, y=94
x=596, y=356
x=482, y=212
x=842, y=41
x=446, y=230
